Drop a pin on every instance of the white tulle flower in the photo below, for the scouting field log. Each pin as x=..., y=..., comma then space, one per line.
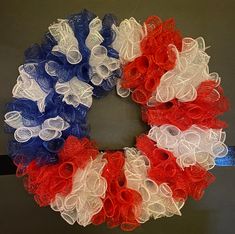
x=190, y=71
x=67, y=42
x=101, y=64
x=157, y=199
x=121, y=91
x=84, y=201
x=14, y=119
x=50, y=129
x=127, y=41
x=28, y=88
x=75, y=92
x=195, y=145
x=94, y=37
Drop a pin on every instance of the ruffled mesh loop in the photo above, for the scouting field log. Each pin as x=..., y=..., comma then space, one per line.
x=67, y=42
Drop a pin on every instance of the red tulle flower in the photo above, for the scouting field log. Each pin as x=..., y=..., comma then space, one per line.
x=120, y=203
x=203, y=111
x=47, y=181
x=144, y=73
x=190, y=181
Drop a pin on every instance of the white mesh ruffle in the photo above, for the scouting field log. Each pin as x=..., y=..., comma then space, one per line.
x=157, y=199
x=24, y=134
x=27, y=87
x=102, y=66
x=128, y=37
x=195, y=145
x=84, y=201
x=52, y=68
x=50, y=129
x=121, y=91
x=94, y=37
x=190, y=70
x=75, y=92
x=14, y=119
x=67, y=42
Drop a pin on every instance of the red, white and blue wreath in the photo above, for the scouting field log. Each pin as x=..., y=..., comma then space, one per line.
x=84, y=57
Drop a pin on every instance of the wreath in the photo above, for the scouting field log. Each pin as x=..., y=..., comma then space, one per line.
x=83, y=57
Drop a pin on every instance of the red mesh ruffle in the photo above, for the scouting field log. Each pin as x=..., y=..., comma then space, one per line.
x=47, y=181
x=120, y=202
x=190, y=181
x=203, y=111
x=144, y=73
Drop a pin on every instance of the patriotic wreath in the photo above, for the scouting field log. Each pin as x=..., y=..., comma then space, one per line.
x=84, y=57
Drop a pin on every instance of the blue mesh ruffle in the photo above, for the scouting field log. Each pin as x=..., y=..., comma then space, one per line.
x=35, y=149
x=108, y=34
x=45, y=152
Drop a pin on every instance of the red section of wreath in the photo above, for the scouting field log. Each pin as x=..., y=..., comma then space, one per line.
x=209, y=104
x=190, y=181
x=120, y=202
x=144, y=73
x=48, y=180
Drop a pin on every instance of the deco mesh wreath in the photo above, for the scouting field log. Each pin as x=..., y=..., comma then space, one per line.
x=84, y=57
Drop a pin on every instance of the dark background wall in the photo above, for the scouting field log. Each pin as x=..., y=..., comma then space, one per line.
x=23, y=23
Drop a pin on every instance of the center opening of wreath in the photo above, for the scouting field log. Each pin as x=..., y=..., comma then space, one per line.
x=115, y=122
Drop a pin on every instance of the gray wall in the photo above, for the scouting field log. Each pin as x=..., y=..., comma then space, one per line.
x=23, y=22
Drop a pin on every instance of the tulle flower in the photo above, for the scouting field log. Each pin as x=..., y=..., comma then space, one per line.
x=102, y=65
x=67, y=42
x=129, y=35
